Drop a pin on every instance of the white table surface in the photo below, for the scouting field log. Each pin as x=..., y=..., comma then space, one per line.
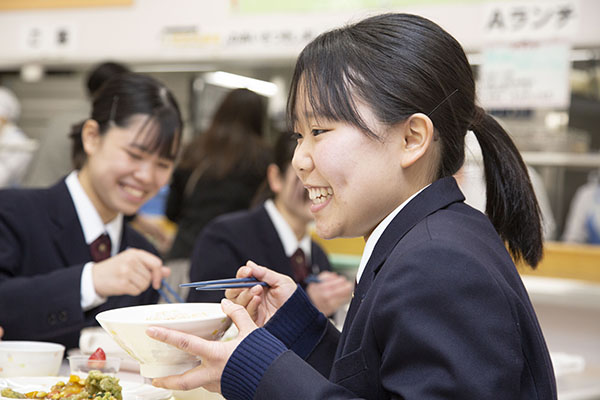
x=129, y=376
x=569, y=315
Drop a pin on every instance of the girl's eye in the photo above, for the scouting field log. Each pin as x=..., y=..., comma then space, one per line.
x=296, y=136
x=165, y=164
x=133, y=155
x=317, y=132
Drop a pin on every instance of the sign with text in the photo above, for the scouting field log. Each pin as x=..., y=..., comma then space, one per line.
x=523, y=20
x=525, y=75
x=48, y=39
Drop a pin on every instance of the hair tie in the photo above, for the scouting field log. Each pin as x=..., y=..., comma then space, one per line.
x=477, y=118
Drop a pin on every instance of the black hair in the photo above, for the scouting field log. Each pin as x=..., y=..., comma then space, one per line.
x=128, y=95
x=234, y=138
x=101, y=73
x=283, y=152
x=402, y=64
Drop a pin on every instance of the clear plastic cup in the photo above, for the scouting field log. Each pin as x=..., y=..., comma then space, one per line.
x=81, y=365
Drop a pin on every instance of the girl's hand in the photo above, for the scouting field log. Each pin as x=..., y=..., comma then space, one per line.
x=330, y=293
x=262, y=302
x=129, y=272
x=214, y=354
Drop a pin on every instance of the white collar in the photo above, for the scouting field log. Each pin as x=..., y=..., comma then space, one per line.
x=90, y=220
x=377, y=232
x=286, y=234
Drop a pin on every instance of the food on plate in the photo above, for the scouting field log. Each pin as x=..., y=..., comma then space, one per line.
x=11, y=394
x=96, y=386
x=98, y=359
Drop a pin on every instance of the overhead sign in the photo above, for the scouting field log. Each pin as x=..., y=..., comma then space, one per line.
x=48, y=39
x=526, y=54
x=525, y=75
x=540, y=20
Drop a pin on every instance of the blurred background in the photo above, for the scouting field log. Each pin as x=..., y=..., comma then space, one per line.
x=48, y=46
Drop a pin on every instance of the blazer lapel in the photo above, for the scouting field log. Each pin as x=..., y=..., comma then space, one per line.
x=438, y=195
x=65, y=226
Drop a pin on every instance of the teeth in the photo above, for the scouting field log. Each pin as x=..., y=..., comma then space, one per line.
x=133, y=192
x=319, y=195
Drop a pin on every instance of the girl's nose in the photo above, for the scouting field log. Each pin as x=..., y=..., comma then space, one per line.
x=145, y=172
x=302, y=160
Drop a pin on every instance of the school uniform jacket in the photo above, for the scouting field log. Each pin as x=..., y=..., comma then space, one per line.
x=230, y=240
x=42, y=254
x=440, y=312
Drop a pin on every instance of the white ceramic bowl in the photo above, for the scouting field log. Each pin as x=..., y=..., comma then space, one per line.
x=128, y=325
x=22, y=358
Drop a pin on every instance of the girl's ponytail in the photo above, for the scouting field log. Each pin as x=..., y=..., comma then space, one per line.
x=511, y=203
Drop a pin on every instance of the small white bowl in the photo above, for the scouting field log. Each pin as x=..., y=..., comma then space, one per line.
x=23, y=358
x=128, y=325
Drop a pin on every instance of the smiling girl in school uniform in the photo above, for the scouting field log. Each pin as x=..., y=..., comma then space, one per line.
x=381, y=109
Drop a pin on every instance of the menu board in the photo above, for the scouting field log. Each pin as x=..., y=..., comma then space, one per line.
x=525, y=75
x=526, y=54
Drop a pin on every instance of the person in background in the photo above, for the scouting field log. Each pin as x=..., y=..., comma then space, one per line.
x=52, y=160
x=102, y=73
x=16, y=149
x=1, y=332
x=274, y=233
x=99, y=75
x=65, y=254
x=381, y=108
x=583, y=219
x=471, y=181
x=220, y=170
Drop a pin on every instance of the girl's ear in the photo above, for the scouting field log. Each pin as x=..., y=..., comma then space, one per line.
x=90, y=136
x=274, y=178
x=418, y=136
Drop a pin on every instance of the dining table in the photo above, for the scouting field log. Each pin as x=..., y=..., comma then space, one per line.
x=133, y=375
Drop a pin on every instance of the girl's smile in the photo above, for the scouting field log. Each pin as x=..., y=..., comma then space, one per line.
x=319, y=195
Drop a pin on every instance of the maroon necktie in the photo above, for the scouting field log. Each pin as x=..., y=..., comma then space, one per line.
x=100, y=248
x=299, y=266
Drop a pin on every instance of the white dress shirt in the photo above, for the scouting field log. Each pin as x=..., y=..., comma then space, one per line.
x=92, y=227
x=286, y=234
x=377, y=232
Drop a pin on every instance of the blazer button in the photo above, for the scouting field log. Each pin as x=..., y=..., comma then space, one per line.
x=52, y=319
x=62, y=316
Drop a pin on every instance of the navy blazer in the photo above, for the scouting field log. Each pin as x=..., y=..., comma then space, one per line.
x=42, y=253
x=440, y=312
x=230, y=240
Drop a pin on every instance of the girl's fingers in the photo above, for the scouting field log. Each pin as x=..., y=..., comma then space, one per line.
x=244, y=272
x=252, y=307
x=187, y=381
x=272, y=278
x=183, y=341
x=239, y=316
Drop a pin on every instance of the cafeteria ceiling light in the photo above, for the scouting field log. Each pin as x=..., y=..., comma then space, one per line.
x=232, y=81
